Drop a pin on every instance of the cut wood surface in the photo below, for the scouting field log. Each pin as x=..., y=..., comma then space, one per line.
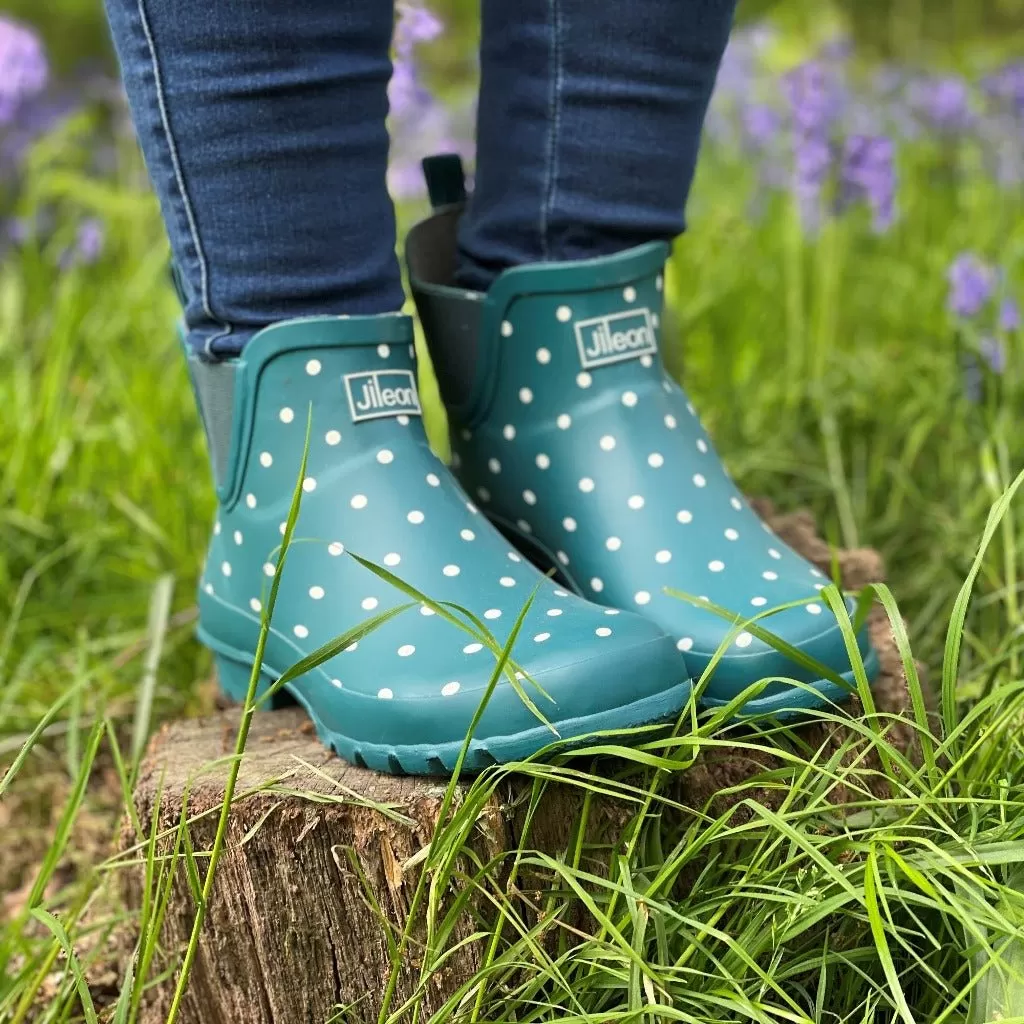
x=318, y=851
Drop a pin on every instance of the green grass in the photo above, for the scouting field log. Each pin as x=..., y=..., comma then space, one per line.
x=828, y=371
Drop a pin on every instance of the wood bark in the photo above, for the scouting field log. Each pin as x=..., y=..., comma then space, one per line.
x=318, y=852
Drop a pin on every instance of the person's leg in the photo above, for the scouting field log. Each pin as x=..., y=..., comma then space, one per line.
x=564, y=422
x=263, y=129
x=263, y=126
x=589, y=122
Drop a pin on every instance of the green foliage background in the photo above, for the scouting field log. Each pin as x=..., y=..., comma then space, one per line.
x=827, y=370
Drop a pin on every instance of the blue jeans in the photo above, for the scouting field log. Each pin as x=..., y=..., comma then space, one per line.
x=263, y=127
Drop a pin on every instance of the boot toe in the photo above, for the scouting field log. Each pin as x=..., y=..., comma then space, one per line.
x=787, y=686
x=411, y=690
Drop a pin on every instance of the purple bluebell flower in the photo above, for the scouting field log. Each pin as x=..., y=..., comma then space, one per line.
x=1002, y=136
x=993, y=352
x=24, y=70
x=1001, y=131
x=944, y=103
x=762, y=125
x=866, y=115
x=766, y=140
x=1006, y=86
x=89, y=240
x=35, y=117
x=405, y=178
x=436, y=128
x=816, y=97
x=971, y=285
x=737, y=81
x=18, y=230
x=87, y=246
x=812, y=165
x=1009, y=315
x=869, y=174
x=405, y=94
x=415, y=25
x=741, y=61
x=416, y=120
x=884, y=108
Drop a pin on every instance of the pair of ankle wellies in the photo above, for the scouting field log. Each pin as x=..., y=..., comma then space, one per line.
x=580, y=475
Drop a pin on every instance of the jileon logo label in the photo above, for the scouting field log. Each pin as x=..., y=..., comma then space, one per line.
x=379, y=393
x=613, y=338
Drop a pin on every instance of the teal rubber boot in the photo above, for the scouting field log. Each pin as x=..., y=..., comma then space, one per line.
x=589, y=457
x=401, y=699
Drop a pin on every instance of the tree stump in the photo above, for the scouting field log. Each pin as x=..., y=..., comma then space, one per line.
x=321, y=858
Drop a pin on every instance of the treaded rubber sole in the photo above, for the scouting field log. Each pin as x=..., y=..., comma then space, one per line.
x=440, y=758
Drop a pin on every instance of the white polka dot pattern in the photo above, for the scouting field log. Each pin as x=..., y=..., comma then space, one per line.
x=598, y=463
x=646, y=506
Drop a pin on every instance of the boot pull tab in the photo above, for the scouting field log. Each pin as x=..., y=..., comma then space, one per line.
x=446, y=180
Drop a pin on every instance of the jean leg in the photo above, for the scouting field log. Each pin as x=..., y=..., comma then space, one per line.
x=263, y=128
x=589, y=124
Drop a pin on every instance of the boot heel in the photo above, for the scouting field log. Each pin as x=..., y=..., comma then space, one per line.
x=233, y=677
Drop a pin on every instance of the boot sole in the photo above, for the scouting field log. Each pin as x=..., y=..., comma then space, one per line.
x=439, y=759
